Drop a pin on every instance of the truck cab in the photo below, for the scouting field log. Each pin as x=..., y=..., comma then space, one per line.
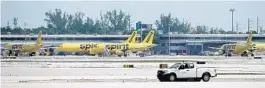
x=184, y=71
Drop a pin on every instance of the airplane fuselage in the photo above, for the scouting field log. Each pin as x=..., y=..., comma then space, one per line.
x=91, y=48
x=23, y=47
x=240, y=48
x=94, y=48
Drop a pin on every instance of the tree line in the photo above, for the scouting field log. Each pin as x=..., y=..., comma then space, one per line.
x=110, y=22
x=60, y=22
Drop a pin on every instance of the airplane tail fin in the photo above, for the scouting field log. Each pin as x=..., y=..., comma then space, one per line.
x=132, y=37
x=39, y=39
x=149, y=38
x=249, y=41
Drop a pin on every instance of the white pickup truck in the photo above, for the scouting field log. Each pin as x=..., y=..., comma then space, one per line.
x=184, y=71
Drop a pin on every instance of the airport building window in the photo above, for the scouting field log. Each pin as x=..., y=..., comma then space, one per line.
x=59, y=38
x=33, y=39
x=3, y=38
x=209, y=38
x=177, y=44
x=69, y=38
x=80, y=38
x=18, y=39
x=258, y=38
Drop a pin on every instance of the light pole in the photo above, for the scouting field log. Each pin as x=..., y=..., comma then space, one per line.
x=257, y=25
x=249, y=23
x=169, y=41
x=232, y=10
x=25, y=31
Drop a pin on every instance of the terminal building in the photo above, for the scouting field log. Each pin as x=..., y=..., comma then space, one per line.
x=191, y=44
x=195, y=44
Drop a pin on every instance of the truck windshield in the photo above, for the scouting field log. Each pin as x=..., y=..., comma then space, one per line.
x=175, y=65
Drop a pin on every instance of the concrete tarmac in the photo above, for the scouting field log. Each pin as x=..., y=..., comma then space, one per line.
x=88, y=79
x=28, y=73
x=137, y=85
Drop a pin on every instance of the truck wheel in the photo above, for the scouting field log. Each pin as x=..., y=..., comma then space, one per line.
x=206, y=77
x=172, y=77
x=229, y=55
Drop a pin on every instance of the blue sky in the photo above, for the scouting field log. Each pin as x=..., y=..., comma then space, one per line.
x=211, y=13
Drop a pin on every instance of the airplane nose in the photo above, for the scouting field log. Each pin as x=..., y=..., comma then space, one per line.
x=59, y=48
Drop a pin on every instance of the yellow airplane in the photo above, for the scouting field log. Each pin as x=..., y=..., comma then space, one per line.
x=16, y=49
x=109, y=48
x=93, y=48
x=123, y=48
x=147, y=43
x=243, y=49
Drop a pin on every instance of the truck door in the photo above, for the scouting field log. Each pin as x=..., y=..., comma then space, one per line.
x=181, y=71
x=187, y=71
x=190, y=70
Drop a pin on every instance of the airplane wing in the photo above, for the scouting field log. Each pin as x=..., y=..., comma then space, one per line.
x=50, y=46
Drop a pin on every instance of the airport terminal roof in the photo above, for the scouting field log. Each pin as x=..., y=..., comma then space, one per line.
x=165, y=35
x=52, y=36
x=212, y=35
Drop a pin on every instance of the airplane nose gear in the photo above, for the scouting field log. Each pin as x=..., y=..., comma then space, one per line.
x=252, y=53
x=106, y=52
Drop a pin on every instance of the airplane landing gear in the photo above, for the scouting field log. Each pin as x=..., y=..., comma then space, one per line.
x=244, y=54
x=142, y=54
x=125, y=55
x=10, y=52
x=228, y=55
x=251, y=53
x=32, y=54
